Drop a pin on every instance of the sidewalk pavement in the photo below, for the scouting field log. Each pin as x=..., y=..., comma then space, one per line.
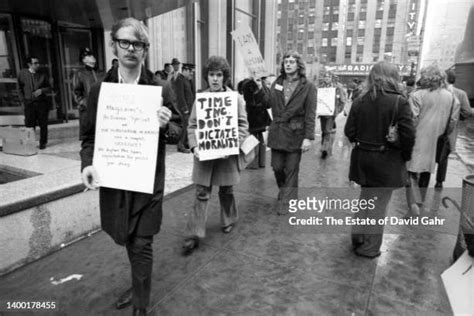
x=265, y=266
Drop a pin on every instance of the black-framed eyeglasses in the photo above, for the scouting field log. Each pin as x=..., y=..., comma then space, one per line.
x=125, y=44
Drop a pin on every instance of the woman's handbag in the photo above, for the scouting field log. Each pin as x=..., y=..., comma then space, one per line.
x=392, y=135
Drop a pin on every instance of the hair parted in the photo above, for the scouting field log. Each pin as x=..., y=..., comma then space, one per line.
x=299, y=62
x=216, y=63
x=140, y=31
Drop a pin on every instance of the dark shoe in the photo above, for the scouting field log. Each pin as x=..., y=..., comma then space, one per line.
x=125, y=299
x=189, y=245
x=324, y=154
x=439, y=185
x=360, y=254
x=42, y=146
x=139, y=311
x=184, y=150
x=357, y=241
x=227, y=229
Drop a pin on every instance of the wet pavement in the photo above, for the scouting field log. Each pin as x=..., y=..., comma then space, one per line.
x=264, y=266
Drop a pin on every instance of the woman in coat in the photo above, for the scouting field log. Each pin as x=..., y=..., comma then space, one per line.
x=255, y=96
x=432, y=105
x=377, y=165
x=223, y=172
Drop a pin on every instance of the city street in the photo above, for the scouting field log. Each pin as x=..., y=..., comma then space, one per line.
x=264, y=266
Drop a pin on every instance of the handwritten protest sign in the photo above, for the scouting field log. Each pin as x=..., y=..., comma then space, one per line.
x=248, y=48
x=326, y=102
x=127, y=133
x=217, y=131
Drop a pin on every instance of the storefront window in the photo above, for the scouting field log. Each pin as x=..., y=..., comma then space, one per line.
x=37, y=41
x=9, y=100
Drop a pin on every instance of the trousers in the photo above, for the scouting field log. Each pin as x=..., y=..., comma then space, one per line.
x=197, y=218
x=140, y=255
x=328, y=130
x=286, y=167
x=370, y=237
x=36, y=113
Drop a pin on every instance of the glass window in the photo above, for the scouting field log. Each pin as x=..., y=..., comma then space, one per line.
x=362, y=24
x=378, y=23
x=300, y=34
x=360, y=40
x=352, y=8
x=361, y=32
x=326, y=26
x=334, y=26
x=388, y=48
x=310, y=50
x=324, y=42
x=363, y=7
x=349, y=41
x=379, y=14
x=359, y=58
x=360, y=49
x=312, y=3
x=312, y=19
x=363, y=16
x=9, y=99
x=310, y=35
x=335, y=9
x=327, y=10
x=299, y=48
x=334, y=41
x=301, y=20
x=390, y=31
x=392, y=11
x=350, y=16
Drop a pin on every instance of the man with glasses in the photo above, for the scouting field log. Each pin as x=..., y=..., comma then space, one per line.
x=130, y=218
x=34, y=85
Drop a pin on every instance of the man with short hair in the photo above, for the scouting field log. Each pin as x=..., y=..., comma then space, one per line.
x=34, y=85
x=84, y=79
x=293, y=101
x=130, y=218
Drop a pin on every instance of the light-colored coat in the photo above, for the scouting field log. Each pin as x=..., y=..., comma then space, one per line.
x=462, y=110
x=221, y=172
x=431, y=110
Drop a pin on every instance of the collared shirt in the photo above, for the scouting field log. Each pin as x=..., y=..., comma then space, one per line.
x=121, y=80
x=289, y=87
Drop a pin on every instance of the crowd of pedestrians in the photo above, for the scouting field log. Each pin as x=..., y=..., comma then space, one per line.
x=394, y=133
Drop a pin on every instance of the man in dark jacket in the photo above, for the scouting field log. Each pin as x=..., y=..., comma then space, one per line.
x=293, y=101
x=182, y=91
x=84, y=79
x=130, y=218
x=34, y=85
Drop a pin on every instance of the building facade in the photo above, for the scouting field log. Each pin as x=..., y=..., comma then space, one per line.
x=350, y=32
x=55, y=30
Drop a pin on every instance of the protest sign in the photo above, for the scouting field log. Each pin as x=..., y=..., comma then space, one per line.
x=247, y=46
x=326, y=102
x=217, y=131
x=127, y=133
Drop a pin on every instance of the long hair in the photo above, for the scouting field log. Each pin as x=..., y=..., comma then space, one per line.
x=383, y=77
x=216, y=63
x=299, y=62
x=432, y=78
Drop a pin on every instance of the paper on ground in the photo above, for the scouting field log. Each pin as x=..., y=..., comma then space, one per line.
x=459, y=284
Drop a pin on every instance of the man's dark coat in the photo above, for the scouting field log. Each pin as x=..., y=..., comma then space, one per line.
x=124, y=213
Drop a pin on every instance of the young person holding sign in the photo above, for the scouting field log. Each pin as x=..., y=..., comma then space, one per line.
x=293, y=102
x=217, y=126
x=130, y=218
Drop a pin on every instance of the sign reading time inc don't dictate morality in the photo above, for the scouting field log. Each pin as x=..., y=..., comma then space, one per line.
x=127, y=134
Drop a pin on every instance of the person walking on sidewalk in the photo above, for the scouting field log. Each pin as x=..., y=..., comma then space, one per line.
x=433, y=108
x=328, y=122
x=84, y=79
x=223, y=172
x=34, y=85
x=462, y=110
x=130, y=218
x=377, y=165
x=293, y=101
